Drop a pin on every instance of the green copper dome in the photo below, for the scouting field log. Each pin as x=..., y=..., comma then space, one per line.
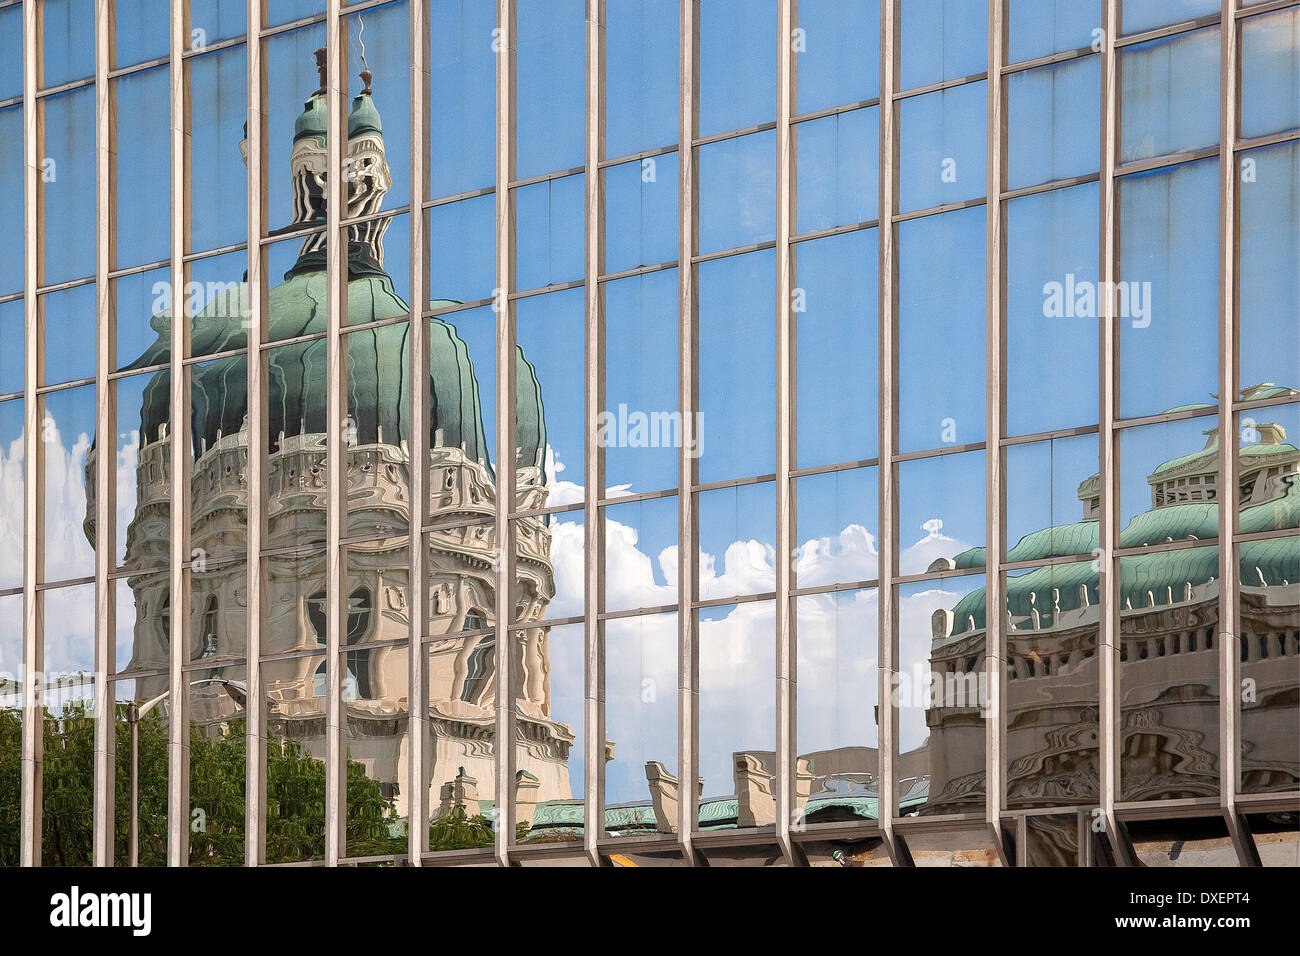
x=364, y=117
x=313, y=121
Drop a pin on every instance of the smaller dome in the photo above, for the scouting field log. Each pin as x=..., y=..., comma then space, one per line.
x=313, y=121
x=364, y=117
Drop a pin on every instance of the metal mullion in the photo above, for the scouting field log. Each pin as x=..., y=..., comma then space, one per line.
x=336, y=284
x=940, y=86
x=688, y=702
x=1050, y=186
x=1108, y=635
x=634, y=499
x=403, y=210
x=594, y=452
x=105, y=463
x=1169, y=30
x=417, y=801
x=202, y=254
x=178, y=432
x=30, y=784
x=637, y=157
x=1053, y=435
x=938, y=210
x=699, y=141
x=66, y=284
x=836, y=588
x=836, y=231
x=1273, y=139
x=1051, y=59
x=941, y=451
x=1276, y=5
x=504, y=744
x=995, y=425
x=1229, y=569
x=638, y=271
x=887, y=326
x=798, y=118
x=457, y=197
x=1136, y=166
x=786, y=653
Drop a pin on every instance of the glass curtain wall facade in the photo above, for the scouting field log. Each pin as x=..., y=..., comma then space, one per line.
x=781, y=311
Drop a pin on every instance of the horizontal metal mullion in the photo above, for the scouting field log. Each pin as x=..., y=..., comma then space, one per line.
x=836, y=231
x=1052, y=186
x=733, y=483
x=637, y=157
x=1210, y=412
x=457, y=635
x=1164, y=162
x=735, y=251
x=633, y=499
x=543, y=290
x=543, y=512
x=835, y=111
x=547, y=622
x=835, y=588
x=1273, y=139
x=638, y=271
x=1055, y=561
x=923, y=576
x=403, y=210
x=940, y=209
x=941, y=451
x=66, y=284
x=458, y=307
x=1051, y=59
x=1245, y=13
x=65, y=87
x=635, y=612
x=459, y=197
x=1181, y=544
x=1054, y=435
x=1169, y=30
x=547, y=177
x=832, y=469
x=733, y=599
x=942, y=85
x=733, y=134
x=1266, y=535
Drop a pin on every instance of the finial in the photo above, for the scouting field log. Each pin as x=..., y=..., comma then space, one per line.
x=323, y=70
x=366, y=77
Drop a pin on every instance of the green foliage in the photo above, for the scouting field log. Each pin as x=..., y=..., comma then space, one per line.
x=295, y=790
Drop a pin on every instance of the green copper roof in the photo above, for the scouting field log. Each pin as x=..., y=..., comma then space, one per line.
x=377, y=366
x=364, y=117
x=313, y=121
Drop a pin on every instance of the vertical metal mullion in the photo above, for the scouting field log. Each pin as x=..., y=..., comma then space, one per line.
x=255, y=450
x=30, y=785
x=1229, y=567
x=594, y=526
x=786, y=649
x=505, y=431
x=688, y=224
x=1108, y=636
x=417, y=801
x=336, y=278
x=887, y=323
x=178, y=776
x=105, y=457
x=995, y=412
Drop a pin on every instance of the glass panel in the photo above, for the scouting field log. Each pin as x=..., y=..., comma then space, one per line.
x=1036, y=28
x=641, y=783
x=143, y=475
x=375, y=726
x=551, y=59
x=217, y=706
x=68, y=319
x=286, y=11
x=840, y=59
x=643, y=428
x=941, y=40
x=461, y=581
x=837, y=170
x=212, y=21
x=1052, y=118
x=549, y=791
x=217, y=299
x=144, y=706
x=1198, y=843
x=1169, y=675
x=218, y=108
x=11, y=719
x=296, y=119
x=1270, y=73
x=1166, y=301
x=1267, y=465
x=462, y=246
x=549, y=404
x=67, y=422
x=965, y=848
x=143, y=616
x=66, y=24
x=140, y=31
x=462, y=68
x=737, y=363
x=837, y=519
x=1277, y=838
x=737, y=186
x=737, y=63
x=942, y=694
x=1168, y=482
x=12, y=373
x=737, y=660
x=1052, y=687
x=1140, y=15
x=67, y=704
x=640, y=213
x=460, y=773
x=1051, y=310
x=67, y=184
x=1051, y=839
x=549, y=227
x=1053, y=498
x=737, y=535
x=11, y=71
x=295, y=766
x=1269, y=638
x=941, y=152
x=1268, y=288
x=1169, y=91
x=941, y=391
x=13, y=248
x=641, y=554
x=641, y=40
x=295, y=428
x=379, y=43
x=142, y=313
x=837, y=418
x=838, y=757
x=944, y=497
x=12, y=478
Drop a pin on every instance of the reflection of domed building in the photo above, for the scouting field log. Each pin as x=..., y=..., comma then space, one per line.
x=461, y=684
x=1169, y=627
